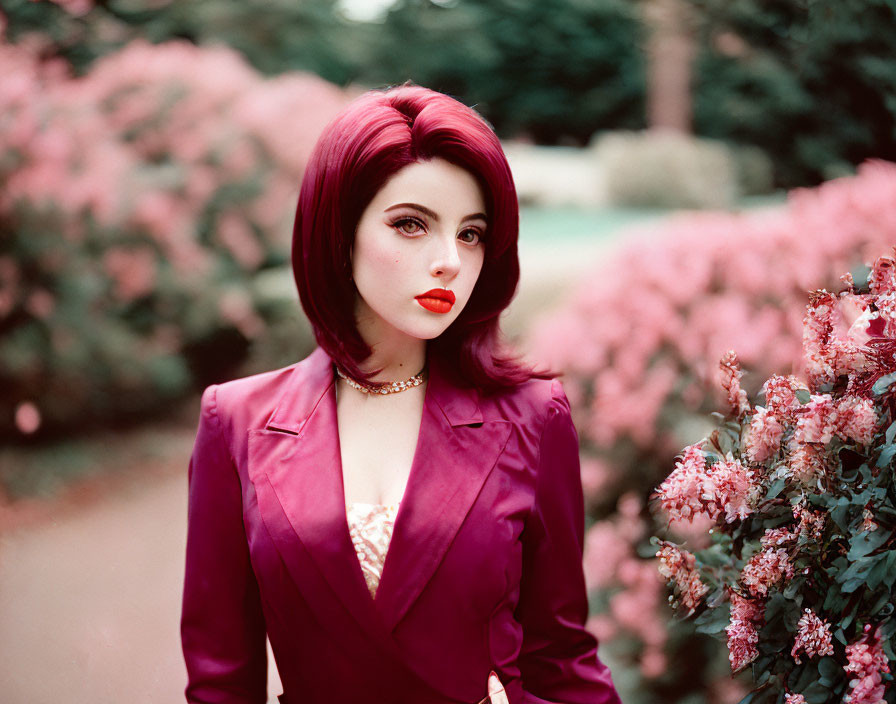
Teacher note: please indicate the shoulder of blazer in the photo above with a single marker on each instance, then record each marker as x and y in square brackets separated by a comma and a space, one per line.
[530, 402]
[248, 402]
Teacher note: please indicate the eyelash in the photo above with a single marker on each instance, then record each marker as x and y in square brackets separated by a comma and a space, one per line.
[403, 220]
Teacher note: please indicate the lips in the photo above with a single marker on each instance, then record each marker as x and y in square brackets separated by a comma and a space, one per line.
[438, 300]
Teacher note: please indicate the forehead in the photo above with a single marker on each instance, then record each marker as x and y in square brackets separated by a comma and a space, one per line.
[437, 184]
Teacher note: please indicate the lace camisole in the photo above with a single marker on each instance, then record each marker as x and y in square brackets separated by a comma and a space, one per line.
[370, 526]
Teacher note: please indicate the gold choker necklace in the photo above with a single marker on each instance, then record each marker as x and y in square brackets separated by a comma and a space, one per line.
[392, 387]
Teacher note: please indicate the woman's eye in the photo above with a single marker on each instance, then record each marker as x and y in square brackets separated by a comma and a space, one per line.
[476, 236]
[408, 226]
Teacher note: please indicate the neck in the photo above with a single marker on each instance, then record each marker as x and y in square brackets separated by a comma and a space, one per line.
[398, 362]
[399, 355]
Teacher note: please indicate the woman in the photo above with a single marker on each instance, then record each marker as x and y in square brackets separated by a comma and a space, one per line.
[401, 512]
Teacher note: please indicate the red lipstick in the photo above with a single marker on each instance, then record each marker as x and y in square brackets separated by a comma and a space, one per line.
[438, 300]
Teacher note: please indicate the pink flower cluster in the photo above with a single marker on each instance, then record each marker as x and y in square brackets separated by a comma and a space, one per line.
[781, 396]
[693, 490]
[635, 607]
[850, 418]
[729, 379]
[764, 439]
[813, 636]
[766, 569]
[746, 615]
[865, 663]
[681, 567]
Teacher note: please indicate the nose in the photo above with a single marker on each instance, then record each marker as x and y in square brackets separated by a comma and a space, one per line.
[446, 259]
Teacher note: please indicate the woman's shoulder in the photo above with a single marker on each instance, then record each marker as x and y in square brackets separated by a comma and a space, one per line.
[534, 399]
[249, 400]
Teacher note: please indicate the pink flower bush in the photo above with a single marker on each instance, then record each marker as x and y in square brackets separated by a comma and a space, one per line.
[136, 200]
[640, 352]
[817, 533]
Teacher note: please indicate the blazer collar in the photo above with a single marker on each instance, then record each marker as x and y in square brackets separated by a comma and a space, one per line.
[312, 378]
[295, 464]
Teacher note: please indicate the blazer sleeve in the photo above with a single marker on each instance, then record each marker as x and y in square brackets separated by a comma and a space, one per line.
[222, 627]
[558, 659]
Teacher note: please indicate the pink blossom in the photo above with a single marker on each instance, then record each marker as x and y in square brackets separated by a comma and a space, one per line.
[132, 270]
[729, 486]
[653, 663]
[741, 630]
[811, 522]
[766, 569]
[237, 236]
[818, 420]
[791, 698]
[775, 537]
[605, 548]
[882, 279]
[818, 327]
[856, 419]
[692, 490]
[681, 492]
[730, 380]
[866, 661]
[780, 396]
[806, 462]
[679, 566]
[813, 636]
[601, 626]
[764, 439]
[27, 418]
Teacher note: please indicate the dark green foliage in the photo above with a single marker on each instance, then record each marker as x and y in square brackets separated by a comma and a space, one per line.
[813, 81]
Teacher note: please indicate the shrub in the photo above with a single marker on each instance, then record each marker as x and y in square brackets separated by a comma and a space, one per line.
[666, 169]
[136, 205]
[800, 494]
[637, 342]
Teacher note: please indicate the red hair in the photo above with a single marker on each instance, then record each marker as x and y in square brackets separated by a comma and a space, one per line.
[366, 144]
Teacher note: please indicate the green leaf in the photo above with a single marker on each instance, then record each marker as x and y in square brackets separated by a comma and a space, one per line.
[775, 488]
[891, 432]
[816, 693]
[886, 455]
[850, 585]
[803, 396]
[712, 620]
[860, 275]
[878, 571]
[879, 605]
[840, 516]
[829, 670]
[833, 601]
[882, 384]
[865, 543]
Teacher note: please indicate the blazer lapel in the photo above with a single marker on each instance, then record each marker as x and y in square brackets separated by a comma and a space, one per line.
[456, 451]
[298, 455]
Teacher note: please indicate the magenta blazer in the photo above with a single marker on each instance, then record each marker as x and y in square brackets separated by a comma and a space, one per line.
[484, 569]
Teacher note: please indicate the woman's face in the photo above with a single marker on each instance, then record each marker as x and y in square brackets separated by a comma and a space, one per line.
[425, 229]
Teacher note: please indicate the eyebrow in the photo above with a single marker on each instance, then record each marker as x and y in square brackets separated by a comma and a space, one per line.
[429, 213]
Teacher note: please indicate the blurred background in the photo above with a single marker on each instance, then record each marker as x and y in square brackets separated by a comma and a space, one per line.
[687, 169]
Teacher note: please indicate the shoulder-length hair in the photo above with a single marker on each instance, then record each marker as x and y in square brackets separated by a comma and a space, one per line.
[378, 134]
